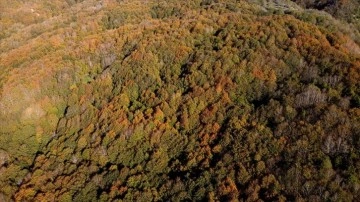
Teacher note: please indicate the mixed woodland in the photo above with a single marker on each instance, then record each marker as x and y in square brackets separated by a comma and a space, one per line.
[191, 100]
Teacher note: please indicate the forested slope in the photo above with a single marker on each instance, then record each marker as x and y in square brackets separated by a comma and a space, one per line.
[186, 100]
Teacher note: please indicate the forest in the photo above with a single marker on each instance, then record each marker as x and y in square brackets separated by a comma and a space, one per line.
[190, 100]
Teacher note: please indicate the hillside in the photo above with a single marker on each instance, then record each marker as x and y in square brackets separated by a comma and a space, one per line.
[144, 100]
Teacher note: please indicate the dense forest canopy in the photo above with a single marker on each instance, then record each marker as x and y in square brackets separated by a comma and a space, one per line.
[154, 100]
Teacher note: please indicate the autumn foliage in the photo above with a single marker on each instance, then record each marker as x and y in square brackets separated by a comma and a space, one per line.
[213, 100]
